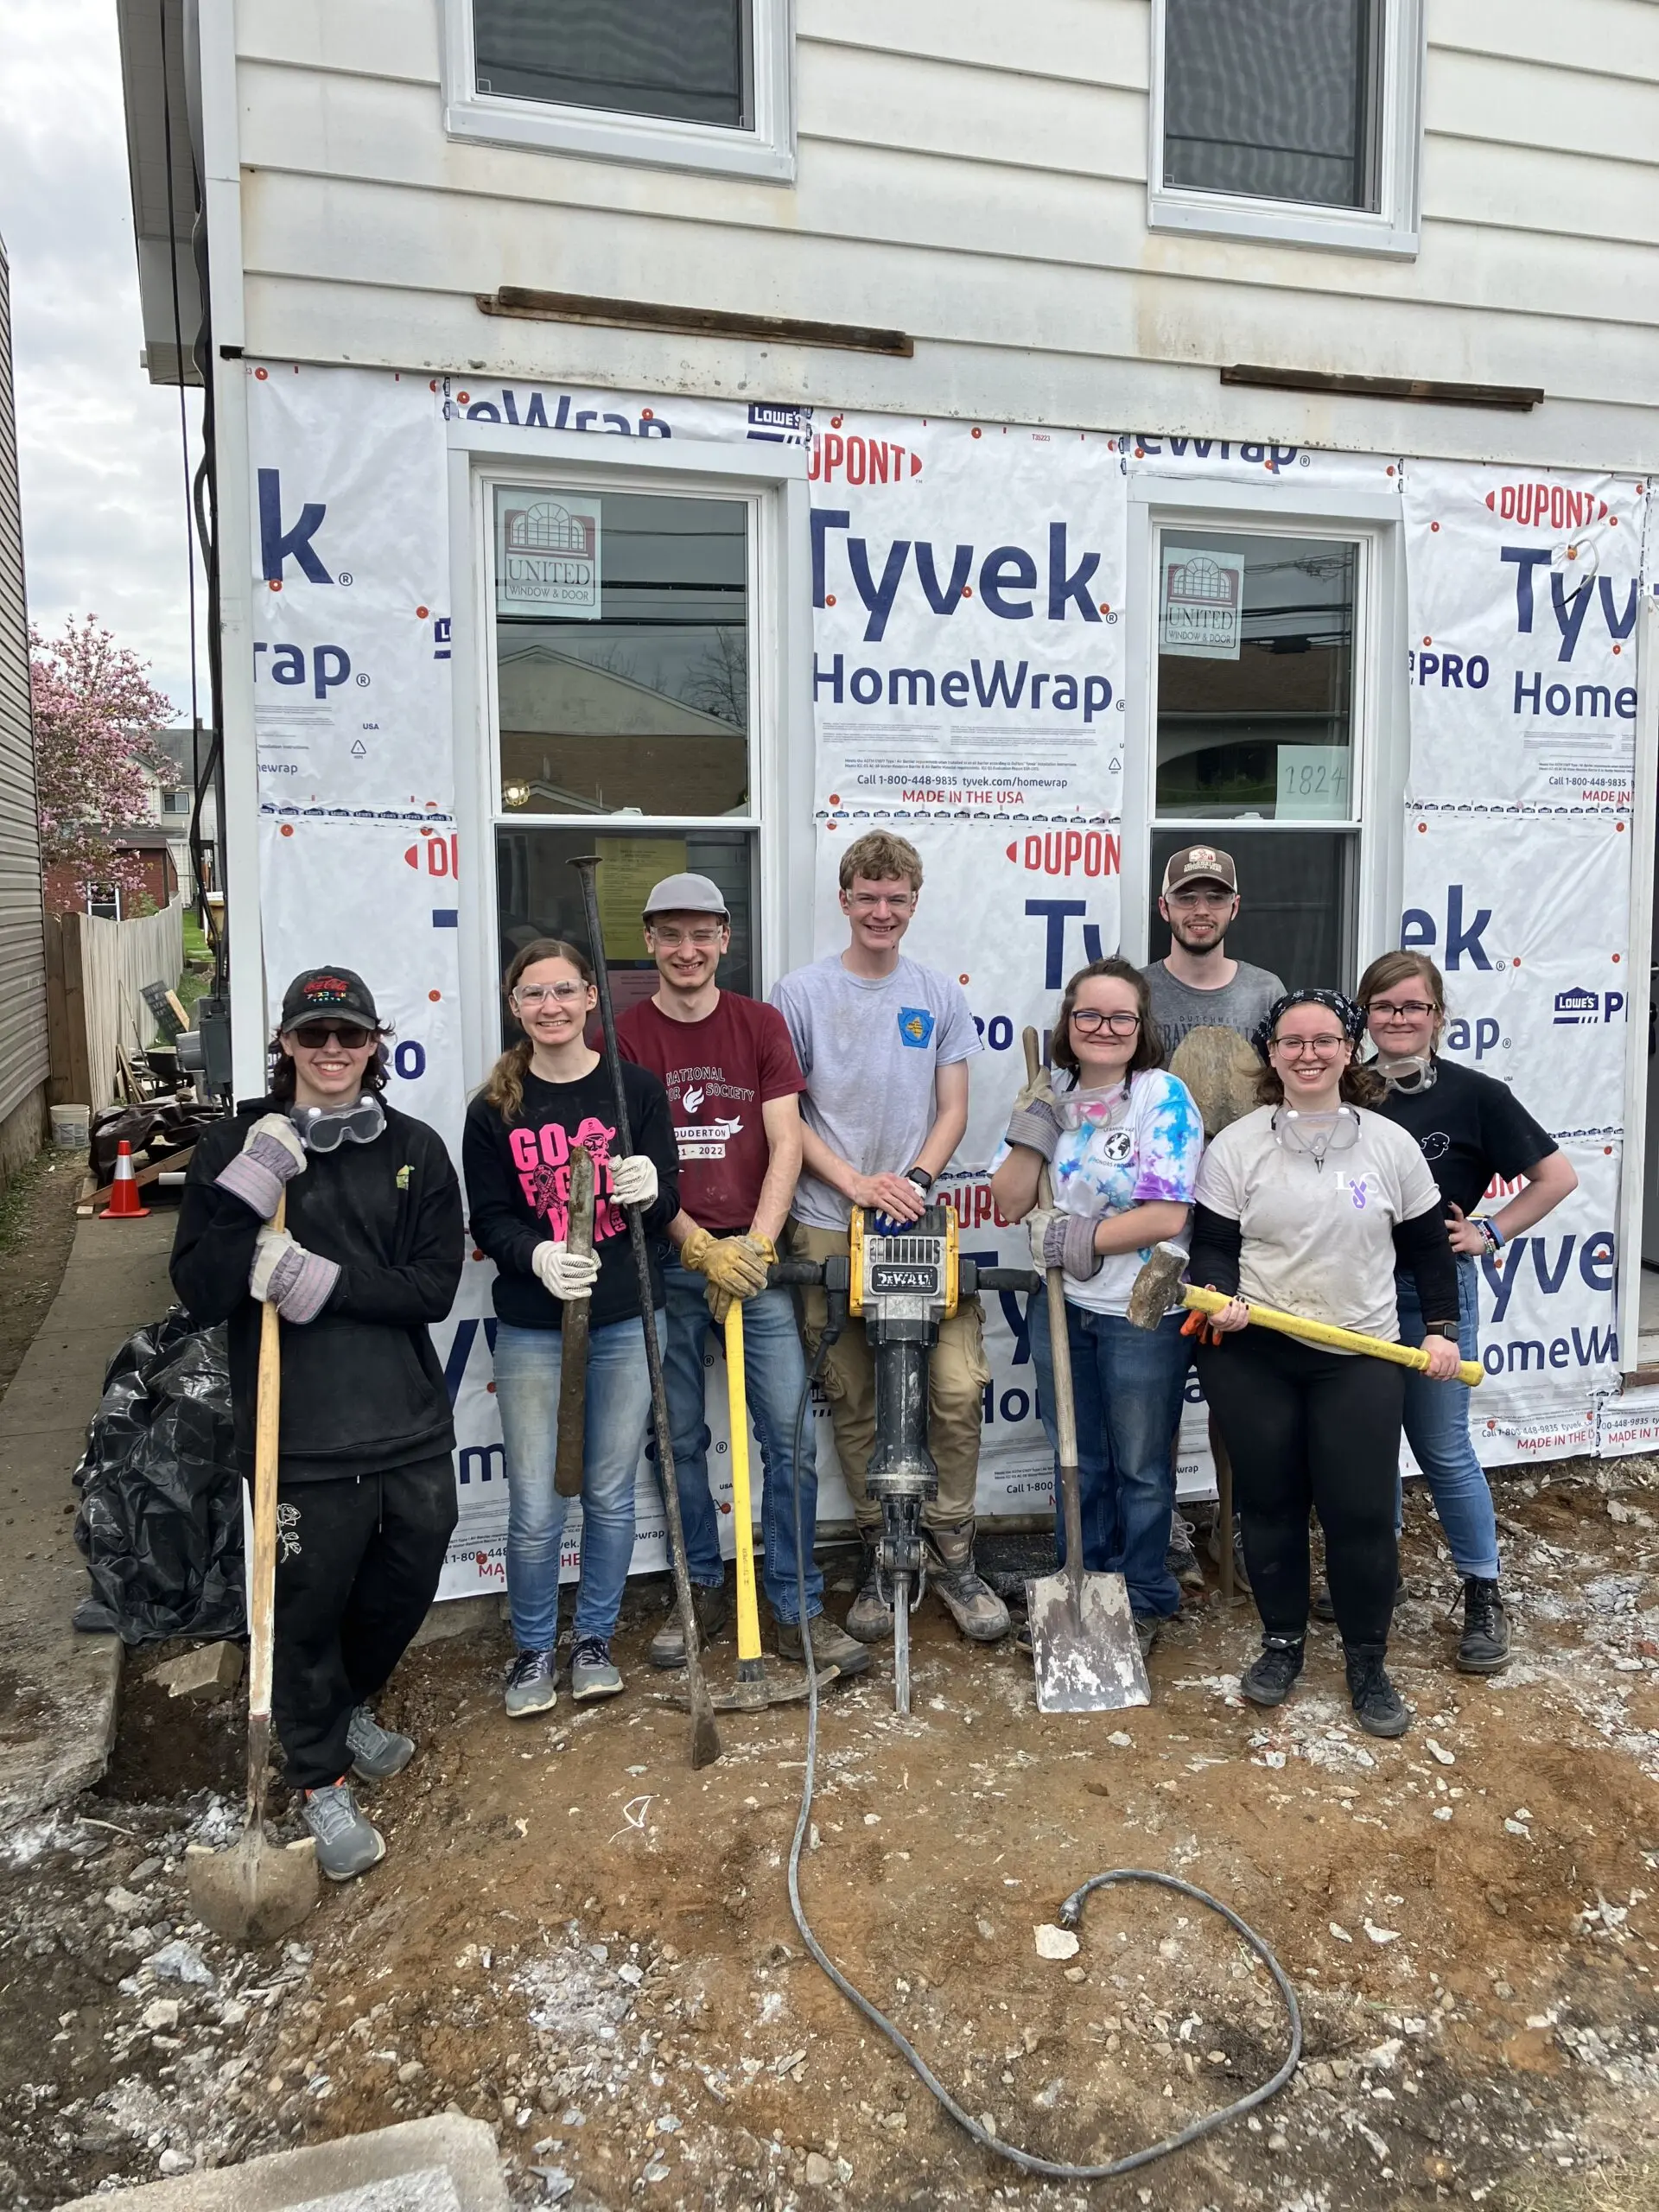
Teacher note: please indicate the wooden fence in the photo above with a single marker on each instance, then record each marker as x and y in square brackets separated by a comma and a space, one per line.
[95, 971]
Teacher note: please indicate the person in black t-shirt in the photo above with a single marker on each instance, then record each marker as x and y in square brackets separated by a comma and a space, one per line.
[1470, 1128]
[546, 1096]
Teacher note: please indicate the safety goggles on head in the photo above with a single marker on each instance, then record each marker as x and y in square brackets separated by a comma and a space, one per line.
[314, 1035]
[325, 1129]
[1316, 1136]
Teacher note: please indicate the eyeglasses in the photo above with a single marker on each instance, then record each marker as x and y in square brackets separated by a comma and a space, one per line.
[532, 996]
[1407, 1010]
[1089, 1021]
[1187, 899]
[1296, 1048]
[872, 902]
[314, 1035]
[672, 940]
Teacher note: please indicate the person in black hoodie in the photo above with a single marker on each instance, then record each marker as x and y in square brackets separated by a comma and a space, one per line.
[369, 1257]
[547, 1095]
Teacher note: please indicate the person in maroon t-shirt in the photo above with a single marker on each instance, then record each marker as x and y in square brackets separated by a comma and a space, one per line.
[732, 1079]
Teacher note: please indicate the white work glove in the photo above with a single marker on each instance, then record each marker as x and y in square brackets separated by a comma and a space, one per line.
[1064, 1241]
[298, 1283]
[565, 1275]
[634, 1180]
[271, 1155]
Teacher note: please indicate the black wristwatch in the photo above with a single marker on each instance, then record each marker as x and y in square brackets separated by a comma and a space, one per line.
[921, 1179]
[1441, 1329]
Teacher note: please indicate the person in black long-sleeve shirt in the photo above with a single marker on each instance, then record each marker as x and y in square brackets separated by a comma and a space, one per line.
[1310, 1204]
[369, 1259]
[548, 1095]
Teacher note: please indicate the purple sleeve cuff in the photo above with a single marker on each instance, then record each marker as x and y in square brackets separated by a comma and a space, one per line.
[302, 1283]
[1035, 1127]
[253, 1180]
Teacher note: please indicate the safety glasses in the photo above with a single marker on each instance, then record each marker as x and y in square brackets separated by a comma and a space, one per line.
[325, 1129]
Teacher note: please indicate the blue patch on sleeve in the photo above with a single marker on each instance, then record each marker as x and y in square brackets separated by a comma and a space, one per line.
[916, 1025]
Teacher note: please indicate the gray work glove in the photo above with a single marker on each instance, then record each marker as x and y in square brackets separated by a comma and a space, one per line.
[298, 1283]
[1064, 1241]
[1035, 1121]
[271, 1155]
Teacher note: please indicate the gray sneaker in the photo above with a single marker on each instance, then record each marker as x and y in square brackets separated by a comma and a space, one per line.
[592, 1673]
[378, 1753]
[346, 1843]
[530, 1685]
[667, 1647]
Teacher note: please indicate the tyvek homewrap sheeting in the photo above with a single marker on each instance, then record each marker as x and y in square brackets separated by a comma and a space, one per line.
[971, 610]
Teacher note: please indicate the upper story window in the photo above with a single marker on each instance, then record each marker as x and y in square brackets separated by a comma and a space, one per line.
[1294, 121]
[684, 83]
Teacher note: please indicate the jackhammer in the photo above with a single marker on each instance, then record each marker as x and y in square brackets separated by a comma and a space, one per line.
[902, 1279]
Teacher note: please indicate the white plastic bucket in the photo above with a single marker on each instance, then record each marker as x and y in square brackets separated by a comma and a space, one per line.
[72, 1127]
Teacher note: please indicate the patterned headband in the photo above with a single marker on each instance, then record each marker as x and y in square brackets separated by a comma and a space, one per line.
[1350, 1015]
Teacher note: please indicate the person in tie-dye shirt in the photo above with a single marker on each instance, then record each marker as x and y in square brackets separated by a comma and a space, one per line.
[1122, 1139]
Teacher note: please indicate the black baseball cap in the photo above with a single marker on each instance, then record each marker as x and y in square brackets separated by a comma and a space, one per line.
[323, 991]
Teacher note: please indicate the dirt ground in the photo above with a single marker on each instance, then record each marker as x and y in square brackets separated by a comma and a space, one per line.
[37, 1226]
[579, 1939]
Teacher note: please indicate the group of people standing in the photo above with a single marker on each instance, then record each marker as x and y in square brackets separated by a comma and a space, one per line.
[753, 1130]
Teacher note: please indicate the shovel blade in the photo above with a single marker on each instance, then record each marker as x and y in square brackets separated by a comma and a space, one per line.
[1086, 1655]
[255, 1891]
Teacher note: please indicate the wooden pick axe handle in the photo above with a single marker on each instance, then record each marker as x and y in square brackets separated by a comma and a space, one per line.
[1326, 1333]
[573, 1355]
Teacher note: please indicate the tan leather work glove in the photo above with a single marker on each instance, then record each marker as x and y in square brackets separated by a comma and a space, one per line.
[736, 1268]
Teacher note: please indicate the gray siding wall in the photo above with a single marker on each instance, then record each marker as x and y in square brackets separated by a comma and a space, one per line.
[23, 963]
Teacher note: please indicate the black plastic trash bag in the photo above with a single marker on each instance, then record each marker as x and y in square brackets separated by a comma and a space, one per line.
[160, 1522]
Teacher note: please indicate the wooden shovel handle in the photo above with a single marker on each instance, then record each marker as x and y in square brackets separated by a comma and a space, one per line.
[267, 1450]
[1065, 1411]
[573, 1321]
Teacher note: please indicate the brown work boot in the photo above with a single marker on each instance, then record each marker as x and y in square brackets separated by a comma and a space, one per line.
[831, 1647]
[712, 1608]
[973, 1605]
[869, 1618]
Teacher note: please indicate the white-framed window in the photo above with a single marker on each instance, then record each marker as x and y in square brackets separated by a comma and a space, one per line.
[1296, 122]
[1270, 719]
[633, 656]
[677, 84]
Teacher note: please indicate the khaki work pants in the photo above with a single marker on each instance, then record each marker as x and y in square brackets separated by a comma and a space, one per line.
[957, 1374]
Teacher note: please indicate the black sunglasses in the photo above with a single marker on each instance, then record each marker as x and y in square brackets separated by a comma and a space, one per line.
[314, 1035]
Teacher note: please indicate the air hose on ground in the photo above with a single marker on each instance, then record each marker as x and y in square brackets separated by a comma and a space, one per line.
[1070, 1914]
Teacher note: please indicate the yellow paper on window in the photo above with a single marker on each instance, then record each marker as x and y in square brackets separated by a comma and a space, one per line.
[629, 869]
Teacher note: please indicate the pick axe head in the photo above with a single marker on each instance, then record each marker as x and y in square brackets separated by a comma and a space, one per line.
[1158, 1285]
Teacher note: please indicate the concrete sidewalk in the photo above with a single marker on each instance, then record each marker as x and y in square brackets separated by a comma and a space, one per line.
[58, 1689]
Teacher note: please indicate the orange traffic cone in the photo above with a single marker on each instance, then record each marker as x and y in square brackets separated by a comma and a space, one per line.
[124, 1199]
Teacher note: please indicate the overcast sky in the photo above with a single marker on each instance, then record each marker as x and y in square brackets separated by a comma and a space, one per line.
[99, 445]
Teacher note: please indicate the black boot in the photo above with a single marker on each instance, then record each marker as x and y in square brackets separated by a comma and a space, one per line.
[1268, 1678]
[1485, 1648]
[1378, 1706]
[869, 1618]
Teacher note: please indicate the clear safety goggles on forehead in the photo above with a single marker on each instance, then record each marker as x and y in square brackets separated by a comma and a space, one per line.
[1316, 1137]
[325, 1129]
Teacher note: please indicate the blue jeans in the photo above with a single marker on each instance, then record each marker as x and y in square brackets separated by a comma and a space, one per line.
[527, 1363]
[1437, 1429]
[1127, 1383]
[775, 1372]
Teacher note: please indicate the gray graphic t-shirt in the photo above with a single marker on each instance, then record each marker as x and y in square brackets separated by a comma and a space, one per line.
[869, 1048]
[1177, 1007]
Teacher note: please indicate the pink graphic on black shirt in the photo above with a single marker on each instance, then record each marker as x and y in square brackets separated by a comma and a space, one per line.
[542, 1159]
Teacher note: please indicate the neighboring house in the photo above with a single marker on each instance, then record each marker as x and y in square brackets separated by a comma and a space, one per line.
[148, 845]
[187, 752]
[695, 432]
[22, 959]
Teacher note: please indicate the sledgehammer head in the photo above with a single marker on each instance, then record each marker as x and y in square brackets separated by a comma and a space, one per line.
[1158, 1285]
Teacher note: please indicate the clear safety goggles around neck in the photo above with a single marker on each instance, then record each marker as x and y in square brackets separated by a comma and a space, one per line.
[1094, 1109]
[325, 1129]
[1316, 1137]
[1409, 1073]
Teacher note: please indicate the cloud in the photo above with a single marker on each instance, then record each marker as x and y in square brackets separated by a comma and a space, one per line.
[99, 451]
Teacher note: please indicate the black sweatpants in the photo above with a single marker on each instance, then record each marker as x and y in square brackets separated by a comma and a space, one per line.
[1309, 1427]
[358, 1561]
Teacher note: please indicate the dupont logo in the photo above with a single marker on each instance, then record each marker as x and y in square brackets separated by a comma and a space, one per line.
[1067, 852]
[1577, 1009]
[1545, 506]
[859, 459]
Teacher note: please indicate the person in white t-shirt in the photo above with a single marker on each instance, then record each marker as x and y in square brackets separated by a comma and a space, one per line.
[1309, 1204]
[1122, 1139]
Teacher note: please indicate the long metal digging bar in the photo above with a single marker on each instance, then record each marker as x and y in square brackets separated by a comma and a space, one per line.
[705, 1737]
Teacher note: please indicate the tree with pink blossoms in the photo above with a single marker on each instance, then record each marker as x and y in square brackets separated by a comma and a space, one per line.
[95, 713]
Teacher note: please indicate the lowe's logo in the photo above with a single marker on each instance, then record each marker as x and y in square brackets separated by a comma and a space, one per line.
[1580, 1009]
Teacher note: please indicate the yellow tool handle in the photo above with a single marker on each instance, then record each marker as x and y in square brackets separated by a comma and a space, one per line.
[737, 1412]
[1326, 1333]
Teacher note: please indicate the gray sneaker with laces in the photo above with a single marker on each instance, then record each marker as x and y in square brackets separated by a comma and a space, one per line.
[347, 1844]
[378, 1753]
[530, 1685]
[592, 1673]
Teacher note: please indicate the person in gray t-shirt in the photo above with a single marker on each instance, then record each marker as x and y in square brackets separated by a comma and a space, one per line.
[884, 1044]
[1195, 986]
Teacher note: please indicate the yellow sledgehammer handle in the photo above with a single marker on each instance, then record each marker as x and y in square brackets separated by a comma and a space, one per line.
[1325, 1332]
[737, 1410]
